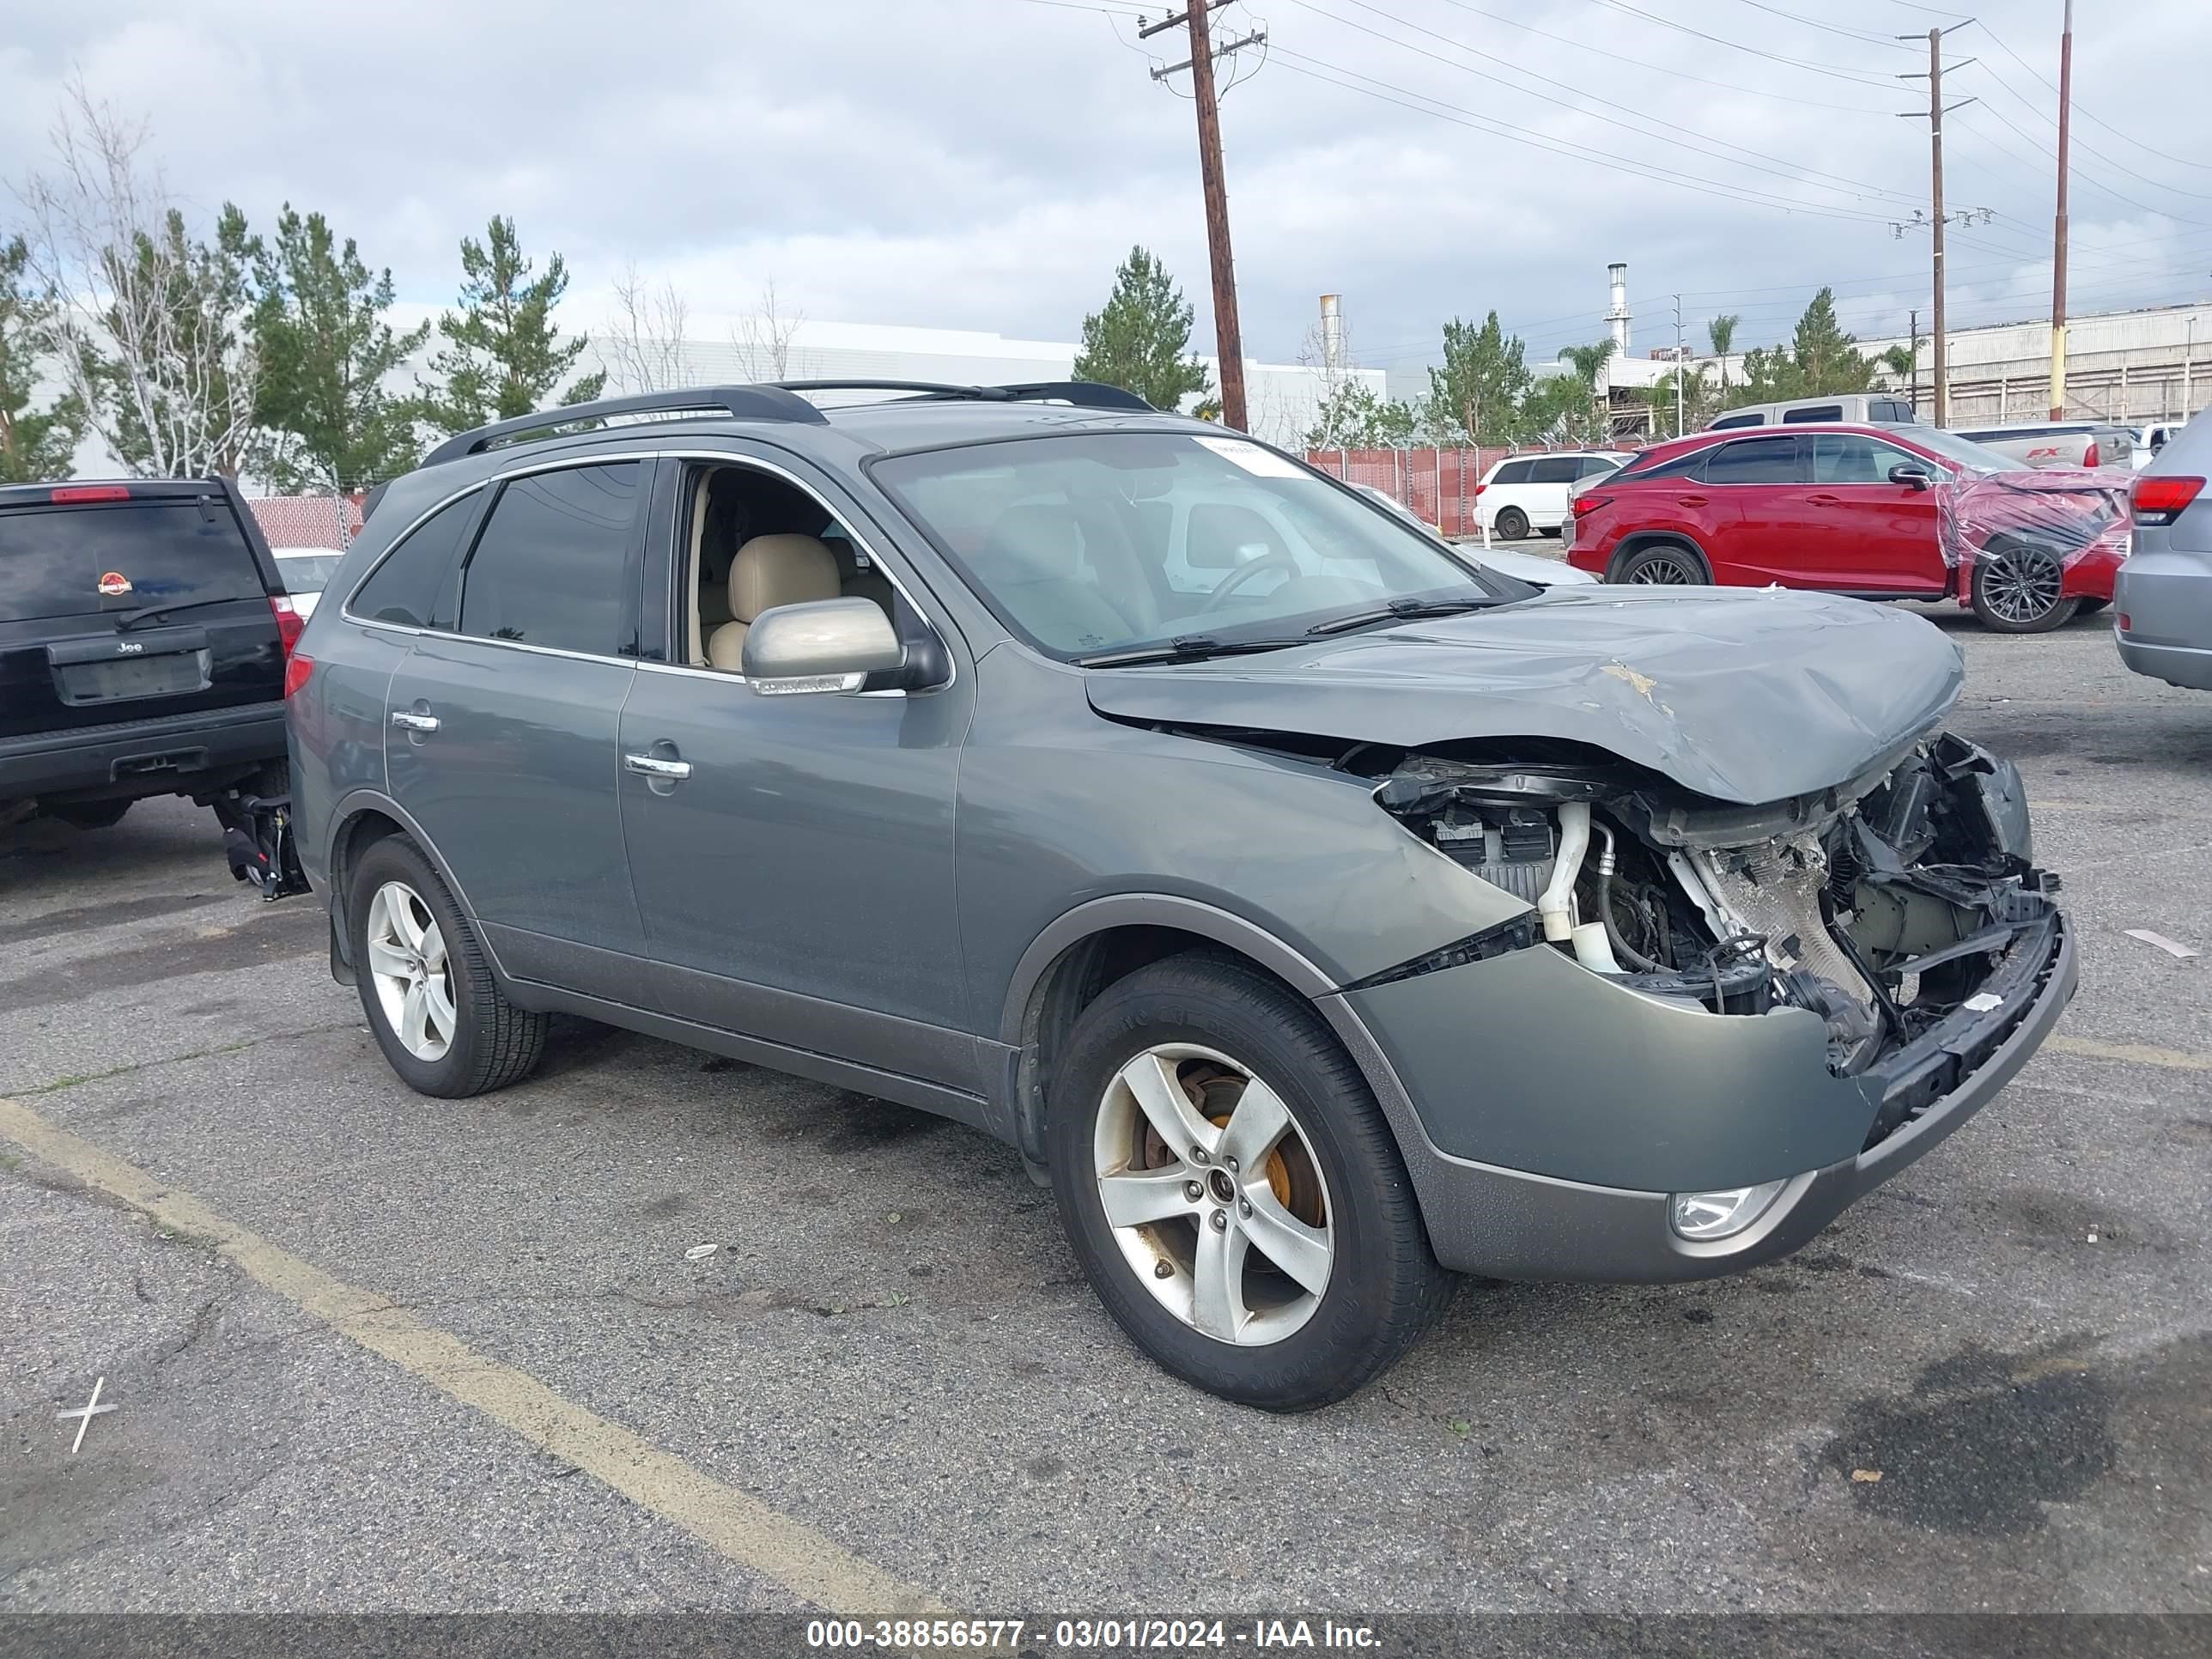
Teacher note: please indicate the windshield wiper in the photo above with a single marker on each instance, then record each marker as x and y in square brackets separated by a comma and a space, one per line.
[1189, 648]
[124, 624]
[1401, 610]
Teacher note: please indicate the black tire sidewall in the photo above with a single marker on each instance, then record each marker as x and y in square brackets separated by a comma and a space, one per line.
[1696, 559]
[395, 858]
[1507, 518]
[1349, 1337]
[2058, 616]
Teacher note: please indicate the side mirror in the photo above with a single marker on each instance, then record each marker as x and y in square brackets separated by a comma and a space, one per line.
[1917, 477]
[825, 645]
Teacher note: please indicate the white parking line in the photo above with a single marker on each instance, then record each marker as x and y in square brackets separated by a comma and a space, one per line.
[739, 1527]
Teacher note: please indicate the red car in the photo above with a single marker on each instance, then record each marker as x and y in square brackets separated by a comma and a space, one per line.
[1878, 512]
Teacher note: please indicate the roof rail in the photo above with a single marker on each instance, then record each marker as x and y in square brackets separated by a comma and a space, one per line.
[1088, 394]
[745, 403]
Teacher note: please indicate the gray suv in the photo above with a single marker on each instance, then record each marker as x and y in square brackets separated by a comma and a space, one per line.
[1319, 915]
[2162, 598]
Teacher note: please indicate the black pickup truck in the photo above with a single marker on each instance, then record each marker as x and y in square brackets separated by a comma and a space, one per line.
[144, 635]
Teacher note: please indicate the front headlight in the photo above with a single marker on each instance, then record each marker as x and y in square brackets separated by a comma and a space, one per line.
[1703, 1217]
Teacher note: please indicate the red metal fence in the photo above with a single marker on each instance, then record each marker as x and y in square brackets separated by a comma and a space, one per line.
[1439, 484]
[308, 520]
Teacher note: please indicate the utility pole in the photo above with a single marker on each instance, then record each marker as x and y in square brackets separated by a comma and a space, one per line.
[1228, 343]
[2058, 234]
[1936, 218]
[1912, 345]
[1679, 361]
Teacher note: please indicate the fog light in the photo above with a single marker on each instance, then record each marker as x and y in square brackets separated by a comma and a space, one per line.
[1723, 1214]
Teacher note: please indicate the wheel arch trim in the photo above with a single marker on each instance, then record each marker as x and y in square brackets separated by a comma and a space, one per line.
[358, 804]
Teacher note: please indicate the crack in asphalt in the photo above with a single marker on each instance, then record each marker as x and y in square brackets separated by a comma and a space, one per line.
[76, 1079]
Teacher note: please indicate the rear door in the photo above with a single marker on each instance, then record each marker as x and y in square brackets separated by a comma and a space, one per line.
[1865, 534]
[1545, 493]
[1754, 493]
[501, 723]
[129, 603]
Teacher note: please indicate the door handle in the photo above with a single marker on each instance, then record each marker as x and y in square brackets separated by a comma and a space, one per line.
[413, 722]
[1824, 501]
[1689, 500]
[653, 766]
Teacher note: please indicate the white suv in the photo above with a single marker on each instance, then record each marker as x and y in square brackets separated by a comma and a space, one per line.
[1530, 492]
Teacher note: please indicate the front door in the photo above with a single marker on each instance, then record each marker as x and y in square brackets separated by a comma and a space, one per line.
[501, 735]
[1878, 536]
[792, 855]
[1755, 491]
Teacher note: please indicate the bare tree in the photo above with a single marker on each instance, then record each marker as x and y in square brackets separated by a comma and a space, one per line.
[763, 339]
[151, 321]
[646, 342]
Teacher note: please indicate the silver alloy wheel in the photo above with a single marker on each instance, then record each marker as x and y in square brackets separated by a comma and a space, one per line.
[1664, 569]
[2020, 588]
[407, 964]
[1202, 1191]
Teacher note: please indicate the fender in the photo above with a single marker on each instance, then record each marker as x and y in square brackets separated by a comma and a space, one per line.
[352, 806]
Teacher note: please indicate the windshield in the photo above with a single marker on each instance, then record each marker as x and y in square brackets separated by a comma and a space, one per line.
[1105, 543]
[1963, 452]
[307, 573]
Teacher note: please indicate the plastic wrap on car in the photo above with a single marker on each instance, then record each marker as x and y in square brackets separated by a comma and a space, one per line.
[2063, 514]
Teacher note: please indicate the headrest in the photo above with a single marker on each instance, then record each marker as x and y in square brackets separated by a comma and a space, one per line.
[782, 569]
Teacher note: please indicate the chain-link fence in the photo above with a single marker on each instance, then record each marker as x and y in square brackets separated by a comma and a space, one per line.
[331, 519]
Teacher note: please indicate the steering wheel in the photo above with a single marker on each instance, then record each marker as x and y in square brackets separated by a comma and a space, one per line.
[1244, 572]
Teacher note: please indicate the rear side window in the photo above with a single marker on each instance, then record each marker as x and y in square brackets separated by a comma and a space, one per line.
[1754, 461]
[1817, 413]
[55, 560]
[1562, 469]
[1692, 466]
[1597, 465]
[413, 586]
[1512, 472]
[1736, 420]
[1889, 410]
[550, 568]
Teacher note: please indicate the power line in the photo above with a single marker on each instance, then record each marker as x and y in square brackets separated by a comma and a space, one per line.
[1622, 7]
[1815, 22]
[2179, 161]
[1858, 186]
[1462, 117]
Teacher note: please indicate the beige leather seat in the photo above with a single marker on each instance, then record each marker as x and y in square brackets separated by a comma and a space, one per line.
[770, 571]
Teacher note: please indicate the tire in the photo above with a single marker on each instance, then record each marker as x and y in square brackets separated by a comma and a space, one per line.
[1366, 1285]
[91, 814]
[2016, 585]
[2089, 607]
[1511, 525]
[1662, 564]
[486, 1042]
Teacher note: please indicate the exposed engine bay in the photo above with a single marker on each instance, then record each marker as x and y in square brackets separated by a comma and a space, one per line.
[1885, 906]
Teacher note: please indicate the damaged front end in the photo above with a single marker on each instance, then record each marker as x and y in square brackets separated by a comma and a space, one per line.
[1901, 908]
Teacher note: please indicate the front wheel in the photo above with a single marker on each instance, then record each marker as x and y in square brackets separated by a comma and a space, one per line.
[2016, 588]
[1511, 525]
[1231, 1190]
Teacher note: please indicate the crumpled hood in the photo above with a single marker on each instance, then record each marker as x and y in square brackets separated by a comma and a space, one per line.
[1749, 696]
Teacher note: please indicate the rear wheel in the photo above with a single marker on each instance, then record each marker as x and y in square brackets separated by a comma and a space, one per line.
[1665, 564]
[1228, 1183]
[2016, 587]
[1511, 525]
[426, 984]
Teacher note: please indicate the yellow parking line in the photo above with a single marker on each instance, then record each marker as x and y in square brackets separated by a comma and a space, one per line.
[742, 1527]
[2137, 1054]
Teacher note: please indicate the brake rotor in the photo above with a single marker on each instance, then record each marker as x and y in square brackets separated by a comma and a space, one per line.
[1291, 1173]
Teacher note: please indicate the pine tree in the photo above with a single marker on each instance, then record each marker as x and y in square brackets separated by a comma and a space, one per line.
[35, 444]
[1479, 390]
[1141, 341]
[1827, 359]
[325, 414]
[503, 357]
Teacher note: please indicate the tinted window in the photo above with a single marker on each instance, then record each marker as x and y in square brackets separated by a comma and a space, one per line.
[549, 567]
[1817, 413]
[1736, 420]
[1690, 466]
[306, 572]
[1512, 472]
[1845, 458]
[52, 559]
[1754, 461]
[1889, 410]
[1597, 465]
[1564, 470]
[413, 586]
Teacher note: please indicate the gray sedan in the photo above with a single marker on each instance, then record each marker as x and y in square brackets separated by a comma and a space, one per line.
[2163, 597]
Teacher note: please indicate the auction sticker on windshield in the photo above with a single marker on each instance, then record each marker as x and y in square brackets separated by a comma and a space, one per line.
[1261, 462]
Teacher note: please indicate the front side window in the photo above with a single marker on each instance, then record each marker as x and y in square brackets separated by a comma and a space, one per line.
[1754, 461]
[1847, 457]
[550, 566]
[412, 586]
[1065, 539]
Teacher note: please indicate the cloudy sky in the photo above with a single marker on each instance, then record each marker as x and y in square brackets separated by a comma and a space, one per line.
[984, 163]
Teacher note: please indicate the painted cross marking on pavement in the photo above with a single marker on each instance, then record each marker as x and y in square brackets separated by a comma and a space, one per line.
[85, 1413]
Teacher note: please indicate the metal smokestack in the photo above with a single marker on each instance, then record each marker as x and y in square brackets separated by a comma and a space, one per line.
[1617, 274]
[1332, 334]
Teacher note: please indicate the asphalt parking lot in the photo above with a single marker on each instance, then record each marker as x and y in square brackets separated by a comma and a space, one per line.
[358, 1364]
